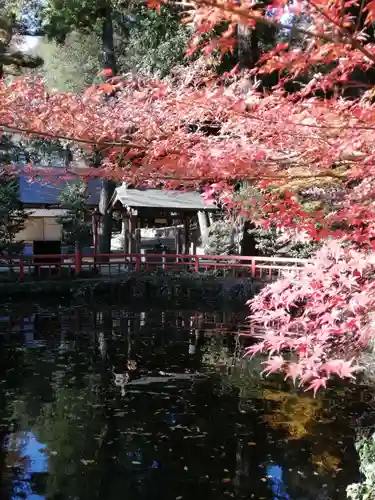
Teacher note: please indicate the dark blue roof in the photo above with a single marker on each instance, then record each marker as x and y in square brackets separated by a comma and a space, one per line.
[48, 193]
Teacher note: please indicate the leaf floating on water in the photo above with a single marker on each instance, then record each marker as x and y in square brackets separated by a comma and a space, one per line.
[251, 443]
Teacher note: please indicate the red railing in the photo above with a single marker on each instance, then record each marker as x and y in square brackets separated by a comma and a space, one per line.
[59, 266]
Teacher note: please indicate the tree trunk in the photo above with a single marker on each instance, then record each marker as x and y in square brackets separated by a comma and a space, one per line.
[248, 243]
[248, 47]
[203, 225]
[107, 187]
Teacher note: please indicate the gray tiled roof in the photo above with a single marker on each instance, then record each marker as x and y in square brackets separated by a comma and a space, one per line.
[158, 198]
[48, 193]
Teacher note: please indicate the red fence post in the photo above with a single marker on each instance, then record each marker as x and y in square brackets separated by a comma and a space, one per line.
[253, 269]
[78, 261]
[196, 264]
[137, 263]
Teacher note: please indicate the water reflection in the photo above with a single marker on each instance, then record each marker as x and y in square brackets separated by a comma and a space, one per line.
[275, 474]
[32, 454]
[110, 403]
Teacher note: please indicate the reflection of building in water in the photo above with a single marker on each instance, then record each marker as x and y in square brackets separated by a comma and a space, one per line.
[41, 328]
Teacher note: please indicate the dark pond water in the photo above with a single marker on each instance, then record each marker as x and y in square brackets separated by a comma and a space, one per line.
[109, 404]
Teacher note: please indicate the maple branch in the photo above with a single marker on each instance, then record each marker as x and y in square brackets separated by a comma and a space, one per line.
[51, 135]
[360, 14]
[252, 17]
[353, 41]
[321, 36]
[253, 177]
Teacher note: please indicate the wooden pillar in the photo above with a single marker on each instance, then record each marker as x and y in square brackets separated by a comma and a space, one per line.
[125, 232]
[178, 240]
[185, 248]
[131, 232]
[137, 244]
[133, 224]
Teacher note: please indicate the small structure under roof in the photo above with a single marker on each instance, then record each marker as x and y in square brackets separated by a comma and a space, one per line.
[150, 207]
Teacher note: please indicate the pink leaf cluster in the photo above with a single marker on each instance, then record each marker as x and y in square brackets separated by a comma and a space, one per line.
[316, 321]
[334, 31]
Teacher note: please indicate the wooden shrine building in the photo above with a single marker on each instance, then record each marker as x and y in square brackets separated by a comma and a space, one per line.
[151, 208]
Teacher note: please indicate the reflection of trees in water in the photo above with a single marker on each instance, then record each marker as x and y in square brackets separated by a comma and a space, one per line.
[75, 431]
[12, 460]
[292, 417]
[212, 435]
[295, 414]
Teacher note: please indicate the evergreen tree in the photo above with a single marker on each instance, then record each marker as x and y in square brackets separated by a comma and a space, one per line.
[221, 239]
[272, 242]
[13, 215]
[12, 60]
[145, 42]
[75, 223]
[154, 42]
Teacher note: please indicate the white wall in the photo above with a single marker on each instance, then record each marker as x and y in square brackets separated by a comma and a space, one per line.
[40, 229]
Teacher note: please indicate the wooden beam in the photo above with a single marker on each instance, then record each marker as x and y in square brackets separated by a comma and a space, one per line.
[133, 225]
[186, 234]
[125, 232]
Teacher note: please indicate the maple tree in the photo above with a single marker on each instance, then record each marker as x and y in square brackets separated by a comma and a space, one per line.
[308, 150]
[322, 316]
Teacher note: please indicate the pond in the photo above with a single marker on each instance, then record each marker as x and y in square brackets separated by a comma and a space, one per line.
[112, 404]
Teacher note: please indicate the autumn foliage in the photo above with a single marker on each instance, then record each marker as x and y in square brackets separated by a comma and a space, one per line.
[322, 316]
[293, 145]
